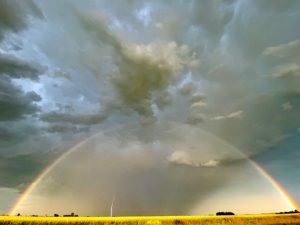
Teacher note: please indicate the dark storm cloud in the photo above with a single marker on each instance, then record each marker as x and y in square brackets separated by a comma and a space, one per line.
[85, 119]
[14, 132]
[18, 68]
[58, 128]
[21, 169]
[15, 104]
[14, 15]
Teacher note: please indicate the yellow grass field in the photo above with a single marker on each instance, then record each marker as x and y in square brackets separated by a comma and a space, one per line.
[155, 220]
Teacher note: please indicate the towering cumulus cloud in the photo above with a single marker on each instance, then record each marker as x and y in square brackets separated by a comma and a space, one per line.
[141, 69]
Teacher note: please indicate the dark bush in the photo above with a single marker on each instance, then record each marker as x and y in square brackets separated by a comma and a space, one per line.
[178, 222]
[224, 213]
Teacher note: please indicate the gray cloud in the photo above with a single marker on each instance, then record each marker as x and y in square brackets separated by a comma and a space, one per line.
[20, 169]
[58, 128]
[86, 119]
[198, 97]
[18, 68]
[15, 104]
[245, 26]
[141, 68]
[287, 106]
[212, 16]
[278, 6]
[14, 15]
[15, 132]
[196, 110]
[188, 89]
[264, 120]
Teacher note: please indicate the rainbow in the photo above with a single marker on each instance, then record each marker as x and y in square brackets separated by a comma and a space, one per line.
[281, 190]
[286, 197]
[37, 180]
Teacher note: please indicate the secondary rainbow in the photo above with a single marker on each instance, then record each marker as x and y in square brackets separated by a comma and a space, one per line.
[281, 191]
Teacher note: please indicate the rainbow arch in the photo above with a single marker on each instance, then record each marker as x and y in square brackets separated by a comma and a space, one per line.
[286, 197]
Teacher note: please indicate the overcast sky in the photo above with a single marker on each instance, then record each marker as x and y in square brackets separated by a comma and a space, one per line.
[72, 68]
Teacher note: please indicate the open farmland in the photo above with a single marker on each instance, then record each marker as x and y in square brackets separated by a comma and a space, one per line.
[156, 220]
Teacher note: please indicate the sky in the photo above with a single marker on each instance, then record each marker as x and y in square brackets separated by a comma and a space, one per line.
[176, 93]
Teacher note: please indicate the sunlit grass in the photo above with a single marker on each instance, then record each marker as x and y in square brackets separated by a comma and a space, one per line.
[156, 220]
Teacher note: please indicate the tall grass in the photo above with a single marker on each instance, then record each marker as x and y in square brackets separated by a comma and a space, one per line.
[155, 220]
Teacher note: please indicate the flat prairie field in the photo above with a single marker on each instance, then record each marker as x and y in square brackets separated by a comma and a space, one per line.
[154, 220]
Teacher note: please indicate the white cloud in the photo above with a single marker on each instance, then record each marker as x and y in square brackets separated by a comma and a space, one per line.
[284, 50]
[198, 105]
[237, 115]
[219, 117]
[197, 97]
[183, 158]
[288, 70]
[233, 115]
[210, 163]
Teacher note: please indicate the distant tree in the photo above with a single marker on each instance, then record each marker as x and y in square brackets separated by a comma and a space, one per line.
[224, 213]
[18, 214]
[288, 212]
[71, 215]
[56, 215]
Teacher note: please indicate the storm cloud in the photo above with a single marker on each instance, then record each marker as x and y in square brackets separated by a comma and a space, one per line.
[17, 68]
[14, 15]
[70, 69]
[16, 104]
